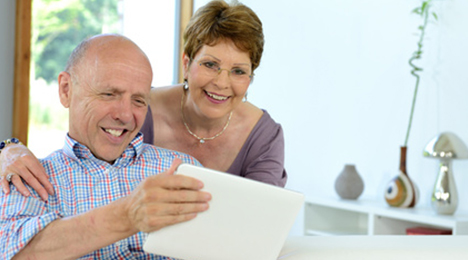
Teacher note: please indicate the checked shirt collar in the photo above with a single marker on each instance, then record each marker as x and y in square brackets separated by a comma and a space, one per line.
[79, 152]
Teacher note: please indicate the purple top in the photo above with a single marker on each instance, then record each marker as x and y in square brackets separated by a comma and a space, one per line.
[260, 158]
[148, 128]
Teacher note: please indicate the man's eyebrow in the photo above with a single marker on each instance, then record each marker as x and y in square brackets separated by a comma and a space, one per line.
[109, 88]
[117, 90]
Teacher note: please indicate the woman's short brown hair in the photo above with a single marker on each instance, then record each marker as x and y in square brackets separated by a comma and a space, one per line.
[219, 20]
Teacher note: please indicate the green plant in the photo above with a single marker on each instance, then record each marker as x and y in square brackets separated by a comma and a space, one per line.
[423, 11]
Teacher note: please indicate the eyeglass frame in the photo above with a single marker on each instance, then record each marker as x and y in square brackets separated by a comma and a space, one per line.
[200, 63]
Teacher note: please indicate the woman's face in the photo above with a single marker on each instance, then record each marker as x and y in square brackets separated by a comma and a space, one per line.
[218, 78]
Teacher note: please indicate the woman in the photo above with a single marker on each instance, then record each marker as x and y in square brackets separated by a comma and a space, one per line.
[208, 116]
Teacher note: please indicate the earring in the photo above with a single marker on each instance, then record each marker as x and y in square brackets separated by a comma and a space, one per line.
[244, 99]
[185, 84]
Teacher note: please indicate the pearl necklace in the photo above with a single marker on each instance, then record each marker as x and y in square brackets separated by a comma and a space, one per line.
[201, 139]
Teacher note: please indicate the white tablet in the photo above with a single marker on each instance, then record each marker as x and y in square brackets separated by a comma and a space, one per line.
[247, 219]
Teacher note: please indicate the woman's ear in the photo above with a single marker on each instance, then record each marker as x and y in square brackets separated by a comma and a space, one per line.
[186, 64]
[64, 82]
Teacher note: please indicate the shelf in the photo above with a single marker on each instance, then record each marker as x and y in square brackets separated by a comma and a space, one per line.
[367, 217]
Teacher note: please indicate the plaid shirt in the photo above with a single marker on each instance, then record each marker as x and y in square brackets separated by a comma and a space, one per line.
[83, 182]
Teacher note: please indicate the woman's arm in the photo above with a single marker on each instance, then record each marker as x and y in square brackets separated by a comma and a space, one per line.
[18, 160]
[262, 155]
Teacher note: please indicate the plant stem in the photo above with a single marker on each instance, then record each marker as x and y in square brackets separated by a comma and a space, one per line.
[416, 56]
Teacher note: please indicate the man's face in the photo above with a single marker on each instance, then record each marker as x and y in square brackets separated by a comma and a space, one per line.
[108, 101]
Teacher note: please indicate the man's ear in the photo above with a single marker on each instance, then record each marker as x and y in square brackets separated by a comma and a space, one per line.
[186, 64]
[65, 88]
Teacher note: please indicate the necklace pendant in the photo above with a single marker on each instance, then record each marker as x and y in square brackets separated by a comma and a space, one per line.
[202, 141]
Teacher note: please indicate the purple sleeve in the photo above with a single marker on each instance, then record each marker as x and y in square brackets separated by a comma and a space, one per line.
[262, 155]
[148, 128]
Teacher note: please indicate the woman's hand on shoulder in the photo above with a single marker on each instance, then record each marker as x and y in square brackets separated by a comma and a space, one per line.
[18, 160]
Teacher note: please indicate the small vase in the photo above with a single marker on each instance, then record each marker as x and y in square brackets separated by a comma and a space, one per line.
[401, 191]
[349, 184]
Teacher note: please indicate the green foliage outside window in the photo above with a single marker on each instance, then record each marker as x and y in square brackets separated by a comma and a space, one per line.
[59, 25]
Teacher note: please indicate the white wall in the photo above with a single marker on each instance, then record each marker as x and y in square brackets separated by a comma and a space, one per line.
[335, 74]
[7, 49]
[152, 28]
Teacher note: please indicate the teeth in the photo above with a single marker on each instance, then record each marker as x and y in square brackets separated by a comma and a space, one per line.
[115, 133]
[217, 97]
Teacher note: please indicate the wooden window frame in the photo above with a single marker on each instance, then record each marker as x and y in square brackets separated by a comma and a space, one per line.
[185, 13]
[22, 69]
[23, 61]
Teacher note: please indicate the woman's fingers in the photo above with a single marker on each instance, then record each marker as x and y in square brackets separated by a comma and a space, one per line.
[36, 174]
[5, 185]
[18, 160]
[16, 180]
[33, 182]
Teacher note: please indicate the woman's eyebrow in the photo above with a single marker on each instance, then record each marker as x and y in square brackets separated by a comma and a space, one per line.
[218, 60]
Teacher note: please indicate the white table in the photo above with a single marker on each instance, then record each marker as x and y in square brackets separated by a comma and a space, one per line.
[375, 247]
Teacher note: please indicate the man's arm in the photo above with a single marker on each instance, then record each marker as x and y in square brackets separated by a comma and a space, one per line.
[158, 201]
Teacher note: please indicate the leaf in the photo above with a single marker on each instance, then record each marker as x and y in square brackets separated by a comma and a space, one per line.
[416, 10]
[435, 16]
[424, 6]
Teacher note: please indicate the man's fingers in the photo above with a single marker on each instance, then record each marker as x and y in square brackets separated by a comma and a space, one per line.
[162, 215]
[175, 209]
[156, 223]
[173, 182]
[181, 196]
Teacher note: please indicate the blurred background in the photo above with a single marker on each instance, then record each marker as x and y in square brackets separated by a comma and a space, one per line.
[334, 73]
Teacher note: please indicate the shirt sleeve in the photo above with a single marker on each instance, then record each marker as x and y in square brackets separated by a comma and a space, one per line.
[21, 218]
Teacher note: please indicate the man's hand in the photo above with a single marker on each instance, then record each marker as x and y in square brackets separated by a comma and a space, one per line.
[165, 199]
[158, 201]
[18, 160]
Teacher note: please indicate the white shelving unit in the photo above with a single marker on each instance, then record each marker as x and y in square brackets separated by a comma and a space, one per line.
[367, 217]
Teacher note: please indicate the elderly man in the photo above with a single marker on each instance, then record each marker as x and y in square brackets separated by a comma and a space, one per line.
[108, 190]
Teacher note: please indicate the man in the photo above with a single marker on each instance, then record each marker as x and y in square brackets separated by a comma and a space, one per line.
[107, 188]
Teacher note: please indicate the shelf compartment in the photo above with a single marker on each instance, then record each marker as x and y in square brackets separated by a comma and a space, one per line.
[323, 220]
[392, 226]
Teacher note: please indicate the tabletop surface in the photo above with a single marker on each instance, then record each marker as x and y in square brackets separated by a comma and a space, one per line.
[375, 247]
